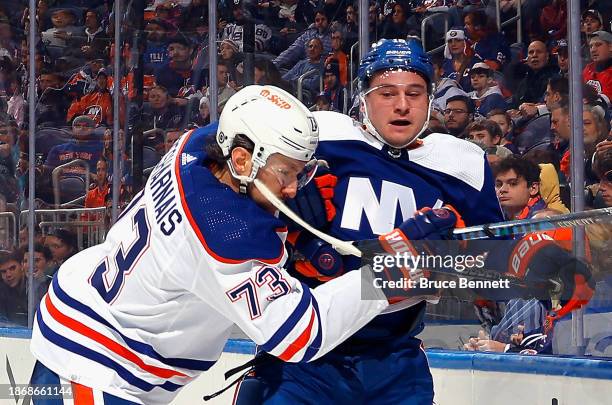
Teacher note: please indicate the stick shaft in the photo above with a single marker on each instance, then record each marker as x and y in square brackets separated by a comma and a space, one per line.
[511, 228]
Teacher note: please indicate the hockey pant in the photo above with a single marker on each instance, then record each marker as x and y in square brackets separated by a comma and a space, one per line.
[376, 376]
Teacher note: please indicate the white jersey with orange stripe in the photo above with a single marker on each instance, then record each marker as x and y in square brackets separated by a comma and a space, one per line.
[147, 311]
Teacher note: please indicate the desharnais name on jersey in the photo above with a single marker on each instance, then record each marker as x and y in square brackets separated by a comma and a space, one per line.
[145, 312]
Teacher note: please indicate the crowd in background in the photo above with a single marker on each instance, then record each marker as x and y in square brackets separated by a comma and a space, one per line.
[510, 97]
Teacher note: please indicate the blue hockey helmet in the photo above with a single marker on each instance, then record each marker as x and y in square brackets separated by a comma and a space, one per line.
[395, 54]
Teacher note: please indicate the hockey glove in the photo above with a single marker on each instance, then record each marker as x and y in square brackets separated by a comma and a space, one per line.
[316, 258]
[403, 283]
[313, 203]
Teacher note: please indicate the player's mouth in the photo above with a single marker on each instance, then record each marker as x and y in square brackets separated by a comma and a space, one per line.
[400, 123]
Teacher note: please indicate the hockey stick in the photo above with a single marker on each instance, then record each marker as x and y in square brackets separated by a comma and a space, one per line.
[511, 228]
[508, 228]
[342, 247]
[347, 248]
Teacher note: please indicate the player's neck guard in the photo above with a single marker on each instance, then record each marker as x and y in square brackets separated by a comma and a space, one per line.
[372, 130]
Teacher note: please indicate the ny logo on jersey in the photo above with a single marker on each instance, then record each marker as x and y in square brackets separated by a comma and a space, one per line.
[361, 198]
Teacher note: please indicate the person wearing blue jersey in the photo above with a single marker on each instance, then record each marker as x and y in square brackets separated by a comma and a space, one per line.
[384, 174]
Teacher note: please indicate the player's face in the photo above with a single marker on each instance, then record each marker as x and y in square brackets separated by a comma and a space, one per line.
[513, 191]
[397, 104]
[11, 273]
[280, 175]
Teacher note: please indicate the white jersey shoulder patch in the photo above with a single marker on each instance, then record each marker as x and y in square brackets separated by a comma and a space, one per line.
[455, 157]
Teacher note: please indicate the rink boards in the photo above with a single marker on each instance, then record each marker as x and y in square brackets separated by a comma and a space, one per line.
[461, 378]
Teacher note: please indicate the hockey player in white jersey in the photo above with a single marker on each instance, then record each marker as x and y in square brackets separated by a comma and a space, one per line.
[198, 250]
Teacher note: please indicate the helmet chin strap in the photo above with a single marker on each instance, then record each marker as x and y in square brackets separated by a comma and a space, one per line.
[372, 130]
[244, 180]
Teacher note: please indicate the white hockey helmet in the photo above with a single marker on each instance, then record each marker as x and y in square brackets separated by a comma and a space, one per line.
[274, 120]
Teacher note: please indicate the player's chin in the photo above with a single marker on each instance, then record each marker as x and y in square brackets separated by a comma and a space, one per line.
[400, 135]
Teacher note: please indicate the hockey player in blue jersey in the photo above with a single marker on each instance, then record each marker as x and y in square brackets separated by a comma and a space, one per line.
[136, 318]
[384, 174]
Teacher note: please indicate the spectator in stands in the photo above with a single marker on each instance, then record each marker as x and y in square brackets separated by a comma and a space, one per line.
[338, 54]
[63, 245]
[350, 28]
[156, 53]
[562, 53]
[64, 29]
[161, 112]
[177, 72]
[313, 61]
[395, 25]
[517, 183]
[43, 270]
[297, 50]
[487, 43]
[458, 59]
[322, 102]
[598, 73]
[13, 298]
[603, 167]
[23, 235]
[231, 55]
[485, 132]
[553, 19]
[224, 85]
[8, 47]
[445, 86]
[502, 118]
[16, 104]
[52, 103]
[266, 72]
[235, 30]
[8, 157]
[533, 75]
[203, 117]
[486, 95]
[591, 22]
[95, 42]
[170, 138]
[560, 127]
[458, 114]
[332, 86]
[83, 146]
[95, 196]
[98, 104]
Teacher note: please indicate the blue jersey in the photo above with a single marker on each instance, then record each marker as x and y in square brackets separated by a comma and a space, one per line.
[376, 191]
